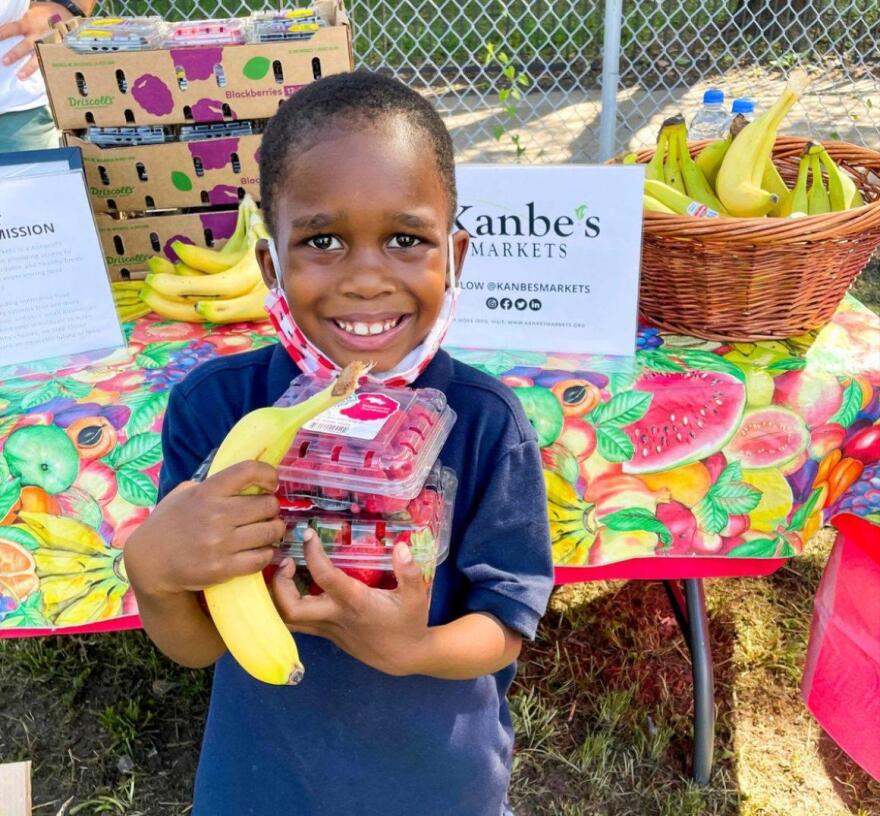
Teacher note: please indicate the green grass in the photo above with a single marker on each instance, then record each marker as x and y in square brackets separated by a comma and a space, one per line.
[601, 705]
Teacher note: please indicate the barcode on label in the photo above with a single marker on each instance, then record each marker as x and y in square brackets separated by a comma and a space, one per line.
[330, 428]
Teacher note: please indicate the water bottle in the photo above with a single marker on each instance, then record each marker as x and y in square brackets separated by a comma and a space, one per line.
[744, 106]
[711, 121]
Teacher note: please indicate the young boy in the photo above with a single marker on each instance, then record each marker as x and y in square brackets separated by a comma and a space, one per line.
[402, 710]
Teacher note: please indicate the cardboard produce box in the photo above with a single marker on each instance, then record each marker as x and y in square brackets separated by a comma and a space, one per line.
[193, 84]
[129, 242]
[210, 172]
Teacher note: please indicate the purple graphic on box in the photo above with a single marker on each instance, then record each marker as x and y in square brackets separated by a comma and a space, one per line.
[169, 252]
[152, 95]
[214, 154]
[210, 110]
[223, 194]
[221, 224]
[196, 63]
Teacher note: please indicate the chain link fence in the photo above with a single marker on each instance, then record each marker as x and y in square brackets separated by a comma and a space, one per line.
[525, 78]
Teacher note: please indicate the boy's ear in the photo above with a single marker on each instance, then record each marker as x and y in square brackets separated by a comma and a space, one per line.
[267, 267]
[460, 243]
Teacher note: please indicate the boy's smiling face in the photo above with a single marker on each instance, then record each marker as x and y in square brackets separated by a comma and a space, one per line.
[361, 221]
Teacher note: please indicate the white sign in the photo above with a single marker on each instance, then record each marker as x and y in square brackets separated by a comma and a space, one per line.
[553, 263]
[55, 297]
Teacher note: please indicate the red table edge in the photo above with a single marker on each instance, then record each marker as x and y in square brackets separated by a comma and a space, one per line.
[671, 569]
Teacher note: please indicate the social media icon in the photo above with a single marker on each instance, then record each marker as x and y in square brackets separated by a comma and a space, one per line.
[535, 305]
[506, 303]
[521, 304]
[492, 303]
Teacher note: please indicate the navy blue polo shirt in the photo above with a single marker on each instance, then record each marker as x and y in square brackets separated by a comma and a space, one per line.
[350, 740]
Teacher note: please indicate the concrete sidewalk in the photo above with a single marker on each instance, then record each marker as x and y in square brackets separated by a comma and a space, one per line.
[563, 126]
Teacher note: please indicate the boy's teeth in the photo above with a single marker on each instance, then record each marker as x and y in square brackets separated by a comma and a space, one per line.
[366, 328]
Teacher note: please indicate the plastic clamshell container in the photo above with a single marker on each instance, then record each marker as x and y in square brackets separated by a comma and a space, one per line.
[380, 442]
[207, 32]
[365, 541]
[117, 34]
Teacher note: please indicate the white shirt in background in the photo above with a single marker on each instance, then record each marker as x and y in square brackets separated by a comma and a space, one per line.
[17, 94]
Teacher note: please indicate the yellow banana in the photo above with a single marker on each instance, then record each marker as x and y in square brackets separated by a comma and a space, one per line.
[738, 184]
[55, 562]
[817, 195]
[235, 281]
[237, 239]
[678, 202]
[797, 201]
[60, 532]
[672, 165]
[159, 264]
[710, 157]
[181, 268]
[695, 183]
[842, 189]
[774, 183]
[207, 260]
[126, 286]
[59, 590]
[248, 307]
[172, 309]
[242, 608]
[654, 168]
[128, 314]
[102, 601]
[650, 204]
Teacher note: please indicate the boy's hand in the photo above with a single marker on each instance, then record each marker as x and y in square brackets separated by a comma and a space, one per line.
[386, 629]
[203, 533]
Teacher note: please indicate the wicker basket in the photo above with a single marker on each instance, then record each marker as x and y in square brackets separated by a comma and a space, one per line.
[759, 278]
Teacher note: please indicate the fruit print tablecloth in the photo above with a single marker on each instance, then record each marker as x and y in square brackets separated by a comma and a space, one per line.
[691, 448]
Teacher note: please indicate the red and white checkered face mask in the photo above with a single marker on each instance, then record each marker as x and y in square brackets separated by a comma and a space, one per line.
[311, 360]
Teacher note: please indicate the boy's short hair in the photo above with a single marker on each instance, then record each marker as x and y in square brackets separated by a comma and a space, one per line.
[345, 98]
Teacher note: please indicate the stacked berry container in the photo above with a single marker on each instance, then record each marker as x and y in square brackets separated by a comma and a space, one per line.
[361, 543]
[366, 474]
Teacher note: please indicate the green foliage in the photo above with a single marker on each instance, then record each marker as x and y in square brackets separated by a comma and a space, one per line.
[509, 92]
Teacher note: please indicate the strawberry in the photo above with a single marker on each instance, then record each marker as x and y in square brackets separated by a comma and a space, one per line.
[366, 547]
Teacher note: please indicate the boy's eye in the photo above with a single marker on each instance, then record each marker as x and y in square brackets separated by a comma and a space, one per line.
[404, 241]
[324, 242]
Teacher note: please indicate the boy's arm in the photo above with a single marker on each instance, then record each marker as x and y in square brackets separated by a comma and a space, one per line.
[200, 534]
[174, 621]
[471, 646]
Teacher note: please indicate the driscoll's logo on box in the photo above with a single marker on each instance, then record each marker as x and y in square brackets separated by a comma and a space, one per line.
[97, 102]
[537, 235]
[121, 260]
[115, 192]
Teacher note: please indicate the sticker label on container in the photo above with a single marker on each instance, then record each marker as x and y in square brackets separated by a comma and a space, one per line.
[360, 416]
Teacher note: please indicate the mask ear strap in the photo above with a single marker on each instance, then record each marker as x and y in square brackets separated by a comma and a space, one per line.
[450, 261]
[273, 254]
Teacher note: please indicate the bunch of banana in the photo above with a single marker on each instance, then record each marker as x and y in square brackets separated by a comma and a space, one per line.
[207, 285]
[241, 608]
[674, 183]
[81, 578]
[736, 175]
[841, 193]
[741, 175]
[127, 297]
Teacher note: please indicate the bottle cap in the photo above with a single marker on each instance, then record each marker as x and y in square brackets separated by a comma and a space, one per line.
[743, 106]
[713, 96]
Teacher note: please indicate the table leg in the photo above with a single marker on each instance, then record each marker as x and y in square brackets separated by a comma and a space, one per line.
[704, 681]
[679, 608]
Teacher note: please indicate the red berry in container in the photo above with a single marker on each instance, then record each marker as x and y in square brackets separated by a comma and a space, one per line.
[369, 549]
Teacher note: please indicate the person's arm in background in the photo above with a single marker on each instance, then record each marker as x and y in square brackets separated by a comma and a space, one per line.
[34, 25]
